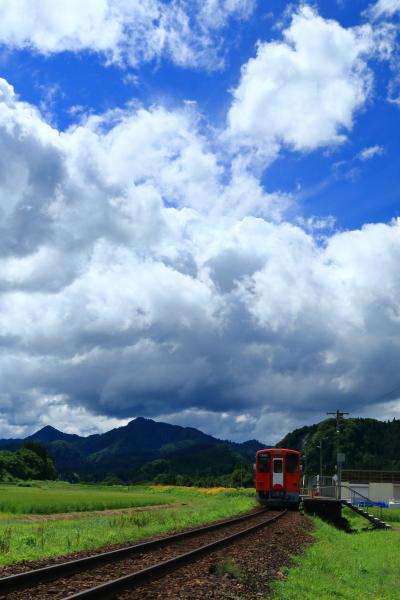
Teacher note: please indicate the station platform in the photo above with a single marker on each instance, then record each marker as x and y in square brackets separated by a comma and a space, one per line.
[328, 509]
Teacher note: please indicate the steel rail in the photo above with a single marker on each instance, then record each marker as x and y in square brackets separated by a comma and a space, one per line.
[23, 580]
[110, 589]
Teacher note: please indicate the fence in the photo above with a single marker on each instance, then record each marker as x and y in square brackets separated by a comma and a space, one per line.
[314, 487]
[368, 476]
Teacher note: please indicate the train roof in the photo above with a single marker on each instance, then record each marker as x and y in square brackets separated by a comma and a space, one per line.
[278, 450]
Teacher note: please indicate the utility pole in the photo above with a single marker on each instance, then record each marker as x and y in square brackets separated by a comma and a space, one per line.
[320, 460]
[339, 458]
[339, 418]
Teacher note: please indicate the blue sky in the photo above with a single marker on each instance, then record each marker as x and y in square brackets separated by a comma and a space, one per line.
[199, 213]
[354, 192]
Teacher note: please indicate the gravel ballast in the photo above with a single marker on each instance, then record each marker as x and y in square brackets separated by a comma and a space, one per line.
[242, 571]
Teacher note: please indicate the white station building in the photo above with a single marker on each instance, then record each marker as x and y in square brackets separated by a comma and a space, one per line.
[378, 486]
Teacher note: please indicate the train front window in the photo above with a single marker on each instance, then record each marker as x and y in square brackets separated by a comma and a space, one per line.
[263, 463]
[278, 462]
[292, 463]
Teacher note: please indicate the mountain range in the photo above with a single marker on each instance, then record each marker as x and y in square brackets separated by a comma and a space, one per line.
[147, 450]
[141, 450]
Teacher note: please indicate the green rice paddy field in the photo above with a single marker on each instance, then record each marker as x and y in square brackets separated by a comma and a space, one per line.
[58, 497]
[51, 519]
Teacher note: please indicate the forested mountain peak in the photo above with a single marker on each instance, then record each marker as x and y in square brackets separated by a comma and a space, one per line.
[48, 434]
[142, 450]
[367, 443]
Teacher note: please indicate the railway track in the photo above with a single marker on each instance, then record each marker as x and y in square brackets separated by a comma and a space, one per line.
[118, 570]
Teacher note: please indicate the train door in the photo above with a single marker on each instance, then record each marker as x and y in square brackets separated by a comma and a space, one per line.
[277, 472]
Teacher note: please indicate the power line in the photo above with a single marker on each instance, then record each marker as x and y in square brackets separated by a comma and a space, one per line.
[387, 394]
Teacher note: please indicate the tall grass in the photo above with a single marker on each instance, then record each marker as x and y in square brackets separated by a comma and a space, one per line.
[358, 566]
[390, 515]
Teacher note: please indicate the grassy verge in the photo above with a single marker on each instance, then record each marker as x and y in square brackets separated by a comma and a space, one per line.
[358, 566]
[358, 523]
[22, 538]
[390, 515]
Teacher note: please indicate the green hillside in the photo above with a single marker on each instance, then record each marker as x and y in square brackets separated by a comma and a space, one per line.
[367, 444]
[147, 450]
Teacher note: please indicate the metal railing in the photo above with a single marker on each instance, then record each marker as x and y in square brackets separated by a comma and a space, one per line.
[360, 500]
[315, 485]
[336, 491]
[325, 491]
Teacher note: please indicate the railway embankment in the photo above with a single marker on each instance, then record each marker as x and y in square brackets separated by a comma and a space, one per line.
[244, 567]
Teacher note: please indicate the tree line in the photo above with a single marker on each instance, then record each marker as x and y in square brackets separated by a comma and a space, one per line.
[366, 444]
[32, 461]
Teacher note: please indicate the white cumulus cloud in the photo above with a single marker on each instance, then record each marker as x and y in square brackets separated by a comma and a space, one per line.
[302, 92]
[144, 273]
[125, 31]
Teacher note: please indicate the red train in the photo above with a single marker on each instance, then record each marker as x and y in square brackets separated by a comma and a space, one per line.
[278, 477]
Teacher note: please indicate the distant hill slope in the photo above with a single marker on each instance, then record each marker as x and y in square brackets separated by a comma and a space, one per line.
[367, 444]
[142, 450]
